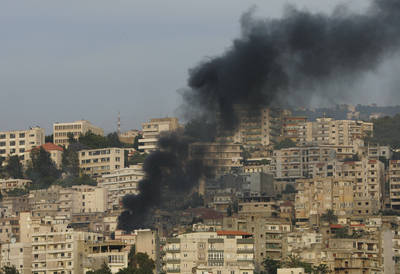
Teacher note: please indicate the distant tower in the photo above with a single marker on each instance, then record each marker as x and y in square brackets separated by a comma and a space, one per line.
[119, 124]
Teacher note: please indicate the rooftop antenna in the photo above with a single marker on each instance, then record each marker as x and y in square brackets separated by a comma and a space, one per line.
[119, 124]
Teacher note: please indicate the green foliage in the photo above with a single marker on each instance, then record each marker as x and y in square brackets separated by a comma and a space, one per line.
[48, 138]
[42, 170]
[289, 189]
[14, 167]
[105, 269]
[271, 266]
[74, 181]
[17, 192]
[141, 263]
[386, 131]
[94, 141]
[136, 141]
[285, 143]
[137, 158]
[329, 217]
[9, 270]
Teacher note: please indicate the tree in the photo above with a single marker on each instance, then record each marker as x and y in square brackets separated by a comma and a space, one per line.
[289, 189]
[285, 143]
[271, 266]
[70, 161]
[296, 262]
[48, 138]
[136, 141]
[14, 167]
[105, 269]
[42, 170]
[320, 269]
[329, 217]
[9, 270]
[137, 158]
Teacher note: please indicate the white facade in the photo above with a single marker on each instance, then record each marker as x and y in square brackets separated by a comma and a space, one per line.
[77, 128]
[121, 182]
[18, 141]
[97, 162]
[152, 131]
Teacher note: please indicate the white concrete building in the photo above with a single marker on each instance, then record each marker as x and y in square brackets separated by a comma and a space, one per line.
[77, 128]
[222, 252]
[153, 129]
[97, 162]
[18, 141]
[120, 183]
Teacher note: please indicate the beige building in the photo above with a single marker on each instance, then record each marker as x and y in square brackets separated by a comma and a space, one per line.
[17, 254]
[316, 196]
[54, 151]
[113, 253]
[291, 127]
[59, 249]
[257, 127]
[153, 129]
[18, 141]
[120, 183]
[128, 137]
[224, 252]
[394, 182]
[222, 157]
[335, 132]
[77, 128]
[98, 162]
[89, 199]
[10, 184]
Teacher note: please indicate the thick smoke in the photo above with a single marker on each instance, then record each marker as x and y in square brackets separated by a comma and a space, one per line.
[167, 169]
[278, 61]
[274, 59]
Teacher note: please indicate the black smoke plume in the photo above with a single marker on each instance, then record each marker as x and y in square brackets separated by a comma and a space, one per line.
[273, 60]
[167, 169]
[278, 61]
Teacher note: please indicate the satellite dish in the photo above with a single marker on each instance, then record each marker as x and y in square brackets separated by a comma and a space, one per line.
[13, 240]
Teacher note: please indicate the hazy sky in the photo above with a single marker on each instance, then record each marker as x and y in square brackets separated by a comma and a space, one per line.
[88, 59]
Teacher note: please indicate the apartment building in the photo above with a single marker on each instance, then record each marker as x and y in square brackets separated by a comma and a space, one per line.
[221, 157]
[316, 196]
[10, 184]
[17, 254]
[128, 137]
[121, 182]
[152, 130]
[291, 126]
[61, 131]
[9, 229]
[89, 199]
[98, 162]
[18, 141]
[362, 255]
[334, 132]
[369, 179]
[54, 151]
[224, 252]
[59, 249]
[257, 127]
[394, 183]
[113, 253]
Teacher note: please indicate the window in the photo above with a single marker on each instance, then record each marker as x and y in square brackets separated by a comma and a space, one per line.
[12, 135]
[22, 143]
[12, 143]
[22, 135]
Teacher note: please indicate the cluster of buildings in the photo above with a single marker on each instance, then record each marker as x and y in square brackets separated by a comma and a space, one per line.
[327, 198]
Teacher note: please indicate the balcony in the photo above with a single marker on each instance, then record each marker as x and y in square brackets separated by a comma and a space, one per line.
[244, 250]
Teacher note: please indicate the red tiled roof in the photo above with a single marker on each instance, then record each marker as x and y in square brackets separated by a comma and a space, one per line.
[232, 233]
[372, 162]
[49, 147]
[336, 226]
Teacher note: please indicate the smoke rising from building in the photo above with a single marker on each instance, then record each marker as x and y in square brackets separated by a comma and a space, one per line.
[170, 169]
[274, 62]
[281, 61]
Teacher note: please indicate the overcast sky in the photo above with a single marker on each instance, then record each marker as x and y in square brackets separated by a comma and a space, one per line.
[88, 59]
